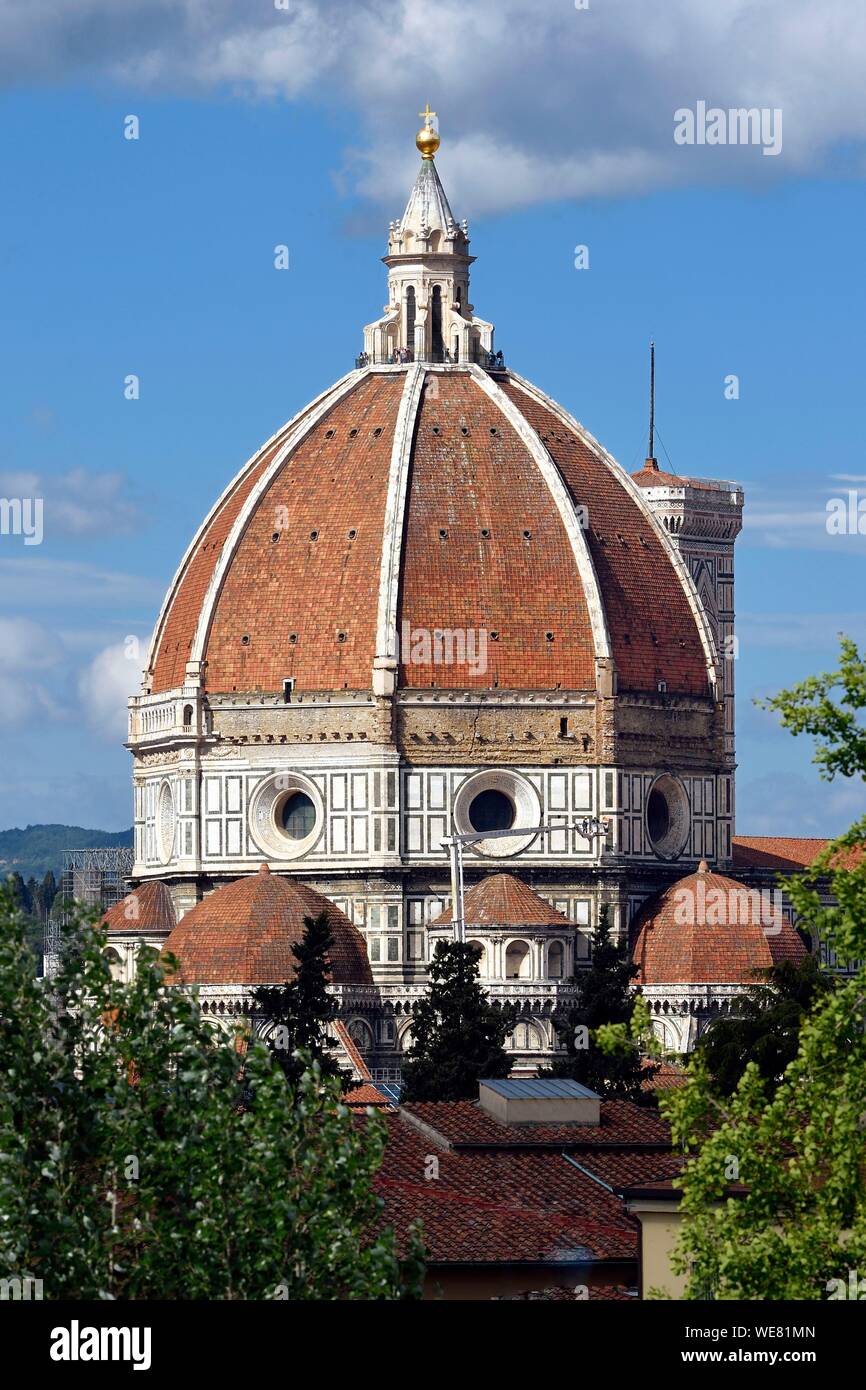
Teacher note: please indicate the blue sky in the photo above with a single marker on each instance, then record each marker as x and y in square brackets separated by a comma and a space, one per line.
[155, 257]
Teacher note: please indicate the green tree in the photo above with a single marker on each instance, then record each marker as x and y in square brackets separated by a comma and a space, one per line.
[604, 997]
[766, 1028]
[146, 1154]
[17, 890]
[800, 1152]
[302, 1009]
[458, 1036]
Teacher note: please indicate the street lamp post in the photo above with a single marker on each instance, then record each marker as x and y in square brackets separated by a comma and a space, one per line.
[589, 828]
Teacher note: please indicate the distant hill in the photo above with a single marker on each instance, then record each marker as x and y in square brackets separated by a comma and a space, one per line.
[38, 848]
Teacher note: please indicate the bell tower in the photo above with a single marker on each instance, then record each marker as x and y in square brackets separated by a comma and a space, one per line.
[428, 317]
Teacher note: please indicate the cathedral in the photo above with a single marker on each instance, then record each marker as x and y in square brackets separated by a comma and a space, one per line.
[433, 614]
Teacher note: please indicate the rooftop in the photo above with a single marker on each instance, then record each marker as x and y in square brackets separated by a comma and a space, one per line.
[520, 1194]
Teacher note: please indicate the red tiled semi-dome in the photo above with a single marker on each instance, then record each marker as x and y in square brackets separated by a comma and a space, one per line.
[469, 501]
[501, 900]
[243, 934]
[148, 909]
[710, 929]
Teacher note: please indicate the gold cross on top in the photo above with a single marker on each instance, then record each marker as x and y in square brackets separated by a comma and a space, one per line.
[427, 115]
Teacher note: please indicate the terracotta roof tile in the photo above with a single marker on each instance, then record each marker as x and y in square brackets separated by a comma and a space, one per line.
[149, 908]
[360, 1097]
[504, 563]
[650, 475]
[503, 900]
[512, 1206]
[464, 1124]
[785, 852]
[243, 934]
[308, 563]
[362, 1071]
[485, 550]
[652, 628]
[711, 929]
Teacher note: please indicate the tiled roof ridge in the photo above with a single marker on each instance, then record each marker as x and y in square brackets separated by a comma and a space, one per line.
[351, 1050]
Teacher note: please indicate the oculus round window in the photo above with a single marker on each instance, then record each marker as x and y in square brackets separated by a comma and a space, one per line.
[496, 799]
[297, 816]
[667, 816]
[658, 817]
[287, 815]
[491, 810]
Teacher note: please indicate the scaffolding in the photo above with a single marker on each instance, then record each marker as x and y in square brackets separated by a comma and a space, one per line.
[92, 878]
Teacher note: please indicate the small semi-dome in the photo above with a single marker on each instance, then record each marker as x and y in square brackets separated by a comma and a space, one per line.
[148, 909]
[501, 900]
[711, 929]
[243, 934]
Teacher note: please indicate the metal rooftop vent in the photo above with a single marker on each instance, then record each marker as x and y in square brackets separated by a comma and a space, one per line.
[549, 1102]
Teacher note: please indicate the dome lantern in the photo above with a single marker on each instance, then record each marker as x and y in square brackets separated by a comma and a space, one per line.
[428, 317]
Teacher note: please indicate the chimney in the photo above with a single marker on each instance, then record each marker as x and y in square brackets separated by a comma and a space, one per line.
[549, 1102]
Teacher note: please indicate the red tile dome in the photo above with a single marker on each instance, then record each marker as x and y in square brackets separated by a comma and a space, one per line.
[444, 497]
[501, 900]
[710, 929]
[243, 934]
[148, 909]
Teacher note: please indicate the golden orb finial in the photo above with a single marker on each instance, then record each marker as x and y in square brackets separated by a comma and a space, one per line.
[427, 139]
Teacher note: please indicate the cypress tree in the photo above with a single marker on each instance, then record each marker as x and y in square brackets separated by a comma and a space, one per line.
[302, 1009]
[458, 1036]
[603, 996]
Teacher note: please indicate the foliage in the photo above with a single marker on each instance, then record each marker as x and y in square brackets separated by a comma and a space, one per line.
[604, 998]
[766, 1027]
[301, 1009]
[800, 1154]
[146, 1154]
[458, 1036]
[35, 900]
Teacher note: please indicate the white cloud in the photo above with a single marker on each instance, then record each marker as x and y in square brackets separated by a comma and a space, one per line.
[106, 683]
[42, 673]
[537, 101]
[76, 503]
[40, 582]
[26, 648]
[796, 517]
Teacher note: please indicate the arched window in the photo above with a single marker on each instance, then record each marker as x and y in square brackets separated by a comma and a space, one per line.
[360, 1034]
[555, 960]
[115, 964]
[479, 951]
[437, 346]
[517, 961]
[410, 318]
[187, 716]
[525, 1038]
